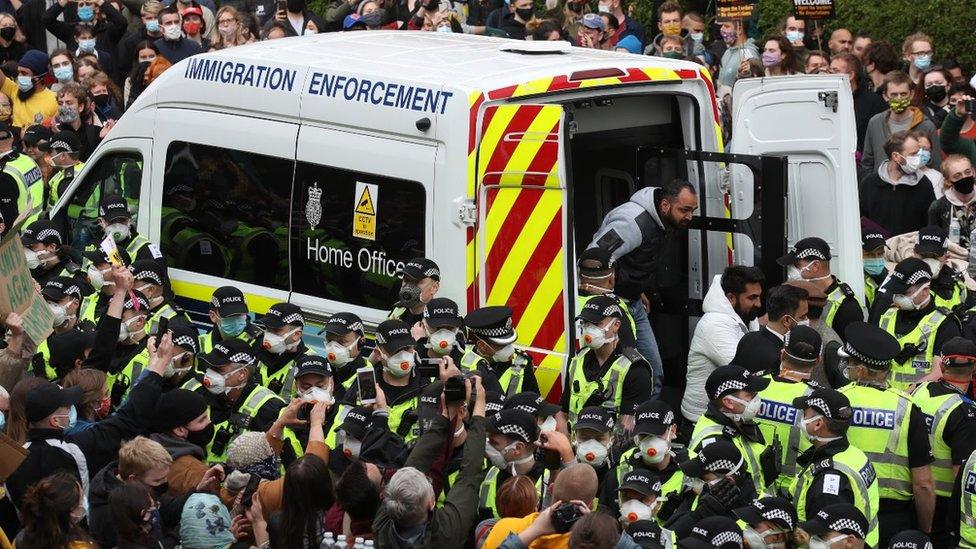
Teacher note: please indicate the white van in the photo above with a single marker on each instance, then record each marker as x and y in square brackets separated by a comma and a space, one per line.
[308, 169]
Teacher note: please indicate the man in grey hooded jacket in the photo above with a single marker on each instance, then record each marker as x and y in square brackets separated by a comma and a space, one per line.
[641, 237]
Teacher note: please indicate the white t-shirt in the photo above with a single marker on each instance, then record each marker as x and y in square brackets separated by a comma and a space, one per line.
[297, 24]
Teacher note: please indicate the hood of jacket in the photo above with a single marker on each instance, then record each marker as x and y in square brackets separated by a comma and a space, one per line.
[910, 179]
[917, 117]
[178, 447]
[645, 199]
[103, 483]
[715, 302]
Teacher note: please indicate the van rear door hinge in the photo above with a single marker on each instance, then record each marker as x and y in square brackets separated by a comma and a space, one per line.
[829, 99]
[467, 213]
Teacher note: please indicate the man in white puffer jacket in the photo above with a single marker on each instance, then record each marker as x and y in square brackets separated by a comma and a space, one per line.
[731, 307]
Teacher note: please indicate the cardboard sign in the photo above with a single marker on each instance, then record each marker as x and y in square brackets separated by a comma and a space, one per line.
[18, 293]
[111, 251]
[364, 211]
[735, 9]
[815, 10]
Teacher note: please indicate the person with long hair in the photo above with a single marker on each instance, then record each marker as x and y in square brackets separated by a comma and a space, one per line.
[96, 404]
[779, 57]
[17, 414]
[230, 30]
[308, 494]
[931, 94]
[51, 511]
[145, 53]
[135, 516]
[106, 96]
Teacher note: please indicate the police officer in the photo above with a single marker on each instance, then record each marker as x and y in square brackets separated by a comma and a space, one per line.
[890, 430]
[442, 331]
[151, 280]
[510, 451]
[182, 368]
[595, 270]
[733, 405]
[230, 317]
[593, 432]
[343, 346]
[777, 418]
[313, 383]
[237, 403]
[420, 279]
[64, 152]
[654, 432]
[770, 522]
[648, 534]
[63, 296]
[394, 373]
[20, 173]
[809, 259]
[115, 220]
[875, 271]
[279, 348]
[44, 251]
[948, 285]
[603, 372]
[966, 488]
[919, 325]
[355, 425]
[951, 418]
[838, 523]
[638, 496]
[101, 279]
[493, 348]
[129, 354]
[545, 412]
[714, 532]
[832, 470]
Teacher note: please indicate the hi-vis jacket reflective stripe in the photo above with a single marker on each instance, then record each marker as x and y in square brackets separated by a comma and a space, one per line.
[252, 403]
[880, 430]
[967, 516]
[958, 297]
[779, 420]
[486, 495]
[511, 378]
[937, 410]
[706, 428]
[30, 185]
[834, 300]
[910, 372]
[612, 383]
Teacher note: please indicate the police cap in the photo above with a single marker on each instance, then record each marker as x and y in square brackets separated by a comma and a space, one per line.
[229, 351]
[342, 323]
[394, 335]
[931, 241]
[598, 308]
[65, 141]
[441, 312]
[907, 273]
[870, 345]
[871, 239]
[420, 268]
[61, 287]
[910, 539]
[719, 456]
[228, 301]
[595, 262]
[515, 424]
[6, 131]
[532, 403]
[717, 532]
[653, 417]
[642, 481]
[148, 270]
[958, 352]
[829, 403]
[596, 418]
[136, 301]
[282, 314]
[494, 402]
[312, 364]
[494, 322]
[731, 378]
[356, 422]
[185, 336]
[803, 344]
[646, 534]
[113, 207]
[808, 248]
[779, 511]
[42, 231]
[842, 518]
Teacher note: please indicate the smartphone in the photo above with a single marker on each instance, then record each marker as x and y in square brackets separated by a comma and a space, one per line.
[429, 368]
[162, 326]
[249, 490]
[366, 378]
[971, 105]
[282, 5]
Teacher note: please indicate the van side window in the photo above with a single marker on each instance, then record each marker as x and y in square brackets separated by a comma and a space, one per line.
[114, 173]
[225, 213]
[352, 232]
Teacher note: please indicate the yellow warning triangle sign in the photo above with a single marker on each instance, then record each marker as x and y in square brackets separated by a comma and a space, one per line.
[365, 203]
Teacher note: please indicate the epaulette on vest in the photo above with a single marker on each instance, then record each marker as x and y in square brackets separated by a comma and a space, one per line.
[633, 355]
[825, 464]
[846, 289]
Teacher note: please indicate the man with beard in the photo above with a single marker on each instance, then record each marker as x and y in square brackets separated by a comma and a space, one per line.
[641, 236]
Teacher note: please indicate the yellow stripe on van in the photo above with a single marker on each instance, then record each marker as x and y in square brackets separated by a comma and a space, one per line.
[535, 136]
[528, 240]
[534, 87]
[549, 369]
[549, 290]
[495, 217]
[203, 292]
[660, 73]
[492, 135]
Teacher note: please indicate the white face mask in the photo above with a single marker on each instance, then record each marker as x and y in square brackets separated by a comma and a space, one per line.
[31, 257]
[125, 330]
[172, 32]
[317, 394]
[816, 542]
[548, 425]
[504, 354]
[595, 336]
[399, 364]
[634, 510]
[795, 273]
[495, 456]
[751, 408]
[593, 452]
[603, 8]
[217, 383]
[653, 449]
[757, 540]
[351, 447]
[442, 341]
[119, 231]
[60, 314]
[276, 344]
[97, 278]
[934, 265]
[172, 370]
[912, 163]
[907, 302]
[339, 354]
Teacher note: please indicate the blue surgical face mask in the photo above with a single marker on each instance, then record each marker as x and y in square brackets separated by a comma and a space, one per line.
[794, 36]
[87, 45]
[925, 156]
[3, 421]
[874, 265]
[152, 25]
[444, 29]
[922, 62]
[86, 13]
[64, 74]
[233, 326]
[25, 83]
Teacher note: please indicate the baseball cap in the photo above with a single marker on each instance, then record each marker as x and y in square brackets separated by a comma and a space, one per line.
[731, 378]
[113, 207]
[842, 518]
[532, 403]
[494, 402]
[931, 241]
[595, 262]
[598, 308]
[442, 311]
[871, 239]
[229, 351]
[352, 20]
[806, 248]
[343, 323]
[42, 231]
[906, 273]
[37, 135]
[719, 456]
[281, 314]
[958, 351]
[593, 21]
[646, 533]
[148, 270]
[653, 417]
[312, 364]
[6, 131]
[420, 268]
[517, 424]
[66, 347]
[228, 301]
[356, 422]
[719, 532]
[44, 399]
[803, 344]
[65, 141]
[596, 418]
[641, 481]
[910, 539]
[828, 402]
[192, 10]
[61, 287]
[779, 511]
[394, 335]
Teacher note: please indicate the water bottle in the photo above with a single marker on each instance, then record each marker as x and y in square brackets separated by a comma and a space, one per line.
[328, 542]
[369, 544]
[954, 230]
[972, 254]
[359, 543]
[341, 542]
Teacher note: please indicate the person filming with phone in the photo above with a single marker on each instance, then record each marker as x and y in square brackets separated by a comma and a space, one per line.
[950, 139]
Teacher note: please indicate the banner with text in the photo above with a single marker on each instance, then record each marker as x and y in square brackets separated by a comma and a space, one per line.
[17, 291]
[735, 9]
[815, 10]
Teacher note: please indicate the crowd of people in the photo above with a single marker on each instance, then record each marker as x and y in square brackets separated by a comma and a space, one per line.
[808, 416]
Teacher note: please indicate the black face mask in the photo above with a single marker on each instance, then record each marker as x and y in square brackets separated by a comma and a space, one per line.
[936, 93]
[202, 437]
[296, 6]
[159, 489]
[7, 33]
[964, 185]
[524, 13]
[101, 99]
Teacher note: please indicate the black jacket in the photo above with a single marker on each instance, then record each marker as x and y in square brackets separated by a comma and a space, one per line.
[125, 55]
[866, 105]
[108, 31]
[289, 30]
[898, 208]
[759, 351]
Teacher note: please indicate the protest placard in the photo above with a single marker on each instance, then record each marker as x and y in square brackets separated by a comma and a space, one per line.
[814, 10]
[735, 9]
[17, 290]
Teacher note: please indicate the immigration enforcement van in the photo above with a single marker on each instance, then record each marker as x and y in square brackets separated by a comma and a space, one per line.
[309, 169]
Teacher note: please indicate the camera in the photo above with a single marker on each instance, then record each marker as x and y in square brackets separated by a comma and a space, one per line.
[454, 390]
[564, 517]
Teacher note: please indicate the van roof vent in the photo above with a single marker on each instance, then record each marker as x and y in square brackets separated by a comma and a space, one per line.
[536, 47]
